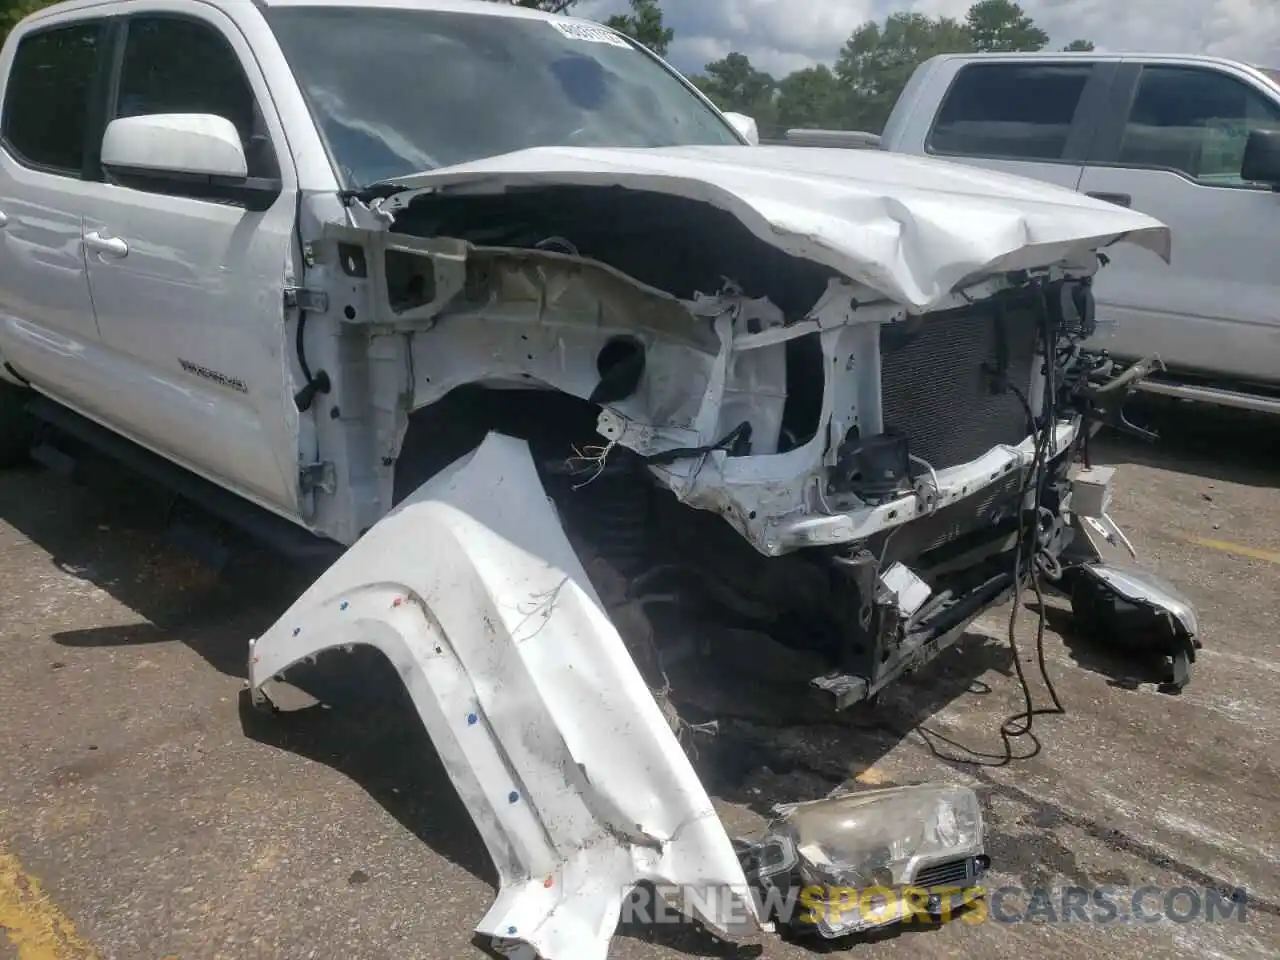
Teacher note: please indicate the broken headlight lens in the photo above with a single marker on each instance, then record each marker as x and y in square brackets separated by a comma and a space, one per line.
[858, 853]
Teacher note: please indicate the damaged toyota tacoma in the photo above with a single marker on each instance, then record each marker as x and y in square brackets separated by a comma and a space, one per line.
[588, 392]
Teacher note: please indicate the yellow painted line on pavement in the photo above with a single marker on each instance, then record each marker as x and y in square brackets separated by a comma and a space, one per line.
[1225, 546]
[32, 922]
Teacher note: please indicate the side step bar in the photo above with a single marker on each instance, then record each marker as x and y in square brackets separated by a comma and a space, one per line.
[275, 532]
[1215, 395]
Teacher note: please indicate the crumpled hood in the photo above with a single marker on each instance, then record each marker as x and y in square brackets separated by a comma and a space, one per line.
[911, 228]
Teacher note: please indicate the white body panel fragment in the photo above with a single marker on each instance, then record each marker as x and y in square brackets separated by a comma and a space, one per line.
[572, 774]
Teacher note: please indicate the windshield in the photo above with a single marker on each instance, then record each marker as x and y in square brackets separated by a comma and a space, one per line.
[398, 91]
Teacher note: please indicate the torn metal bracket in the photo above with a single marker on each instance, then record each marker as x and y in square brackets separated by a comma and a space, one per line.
[302, 298]
[843, 689]
[1106, 401]
[440, 262]
[317, 476]
[845, 303]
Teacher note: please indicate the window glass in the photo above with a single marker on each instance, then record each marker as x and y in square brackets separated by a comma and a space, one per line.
[47, 98]
[399, 91]
[1196, 121]
[176, 65]
[1018, 110]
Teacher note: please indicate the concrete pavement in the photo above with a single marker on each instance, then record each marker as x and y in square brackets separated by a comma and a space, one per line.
[163, 818]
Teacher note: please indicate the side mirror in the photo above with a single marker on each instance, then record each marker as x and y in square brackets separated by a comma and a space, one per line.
[746, 126]
[197, 144]
[186, 154]
[1262, 158]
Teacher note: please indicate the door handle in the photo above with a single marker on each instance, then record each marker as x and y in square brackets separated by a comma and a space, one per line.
[1119, 199]
[107, 246]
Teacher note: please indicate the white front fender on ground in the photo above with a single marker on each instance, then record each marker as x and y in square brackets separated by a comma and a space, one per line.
[571, 773]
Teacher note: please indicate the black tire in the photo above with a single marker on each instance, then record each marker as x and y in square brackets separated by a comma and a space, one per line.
[17, 426]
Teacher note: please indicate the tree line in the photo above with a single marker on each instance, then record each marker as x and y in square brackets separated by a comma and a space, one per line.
[857, 92]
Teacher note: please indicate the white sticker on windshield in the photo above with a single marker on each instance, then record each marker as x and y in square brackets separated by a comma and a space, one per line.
[589, 33]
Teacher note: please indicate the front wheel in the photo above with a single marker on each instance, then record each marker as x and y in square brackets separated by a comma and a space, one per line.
[17, 426]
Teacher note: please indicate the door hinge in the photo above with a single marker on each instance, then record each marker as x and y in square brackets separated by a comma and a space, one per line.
[302, 298]
[317, 476]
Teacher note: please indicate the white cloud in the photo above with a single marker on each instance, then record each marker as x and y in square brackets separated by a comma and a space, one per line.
[782, 35]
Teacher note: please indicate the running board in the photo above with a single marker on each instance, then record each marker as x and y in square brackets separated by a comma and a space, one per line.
[275, 532]
[1214, 395]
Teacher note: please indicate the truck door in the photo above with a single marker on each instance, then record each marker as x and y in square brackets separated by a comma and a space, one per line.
[1029, 118]
[1172, 148]
[188, 286]
[47, 328]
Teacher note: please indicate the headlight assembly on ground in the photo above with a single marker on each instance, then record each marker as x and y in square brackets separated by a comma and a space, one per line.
[875, 858]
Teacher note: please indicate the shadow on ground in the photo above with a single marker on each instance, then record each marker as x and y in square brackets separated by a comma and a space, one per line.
[114, 530]
[1123, 669]
[778, 744]
[1219, 444]
[366, 728]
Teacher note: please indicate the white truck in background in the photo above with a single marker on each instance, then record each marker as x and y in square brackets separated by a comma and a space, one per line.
[585, 396]
[1191, 140]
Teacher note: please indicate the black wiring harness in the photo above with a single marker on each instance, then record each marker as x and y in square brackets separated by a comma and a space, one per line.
[1030, 563]
[1020, 724]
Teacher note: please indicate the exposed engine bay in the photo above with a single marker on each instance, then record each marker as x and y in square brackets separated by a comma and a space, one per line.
[866, 477]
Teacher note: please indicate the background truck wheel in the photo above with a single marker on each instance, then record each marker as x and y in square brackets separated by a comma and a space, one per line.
[17, 426]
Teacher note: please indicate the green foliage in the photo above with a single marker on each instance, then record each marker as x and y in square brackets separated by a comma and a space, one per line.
[813, 97]
[550, 6]
[734, 84]
[644, 24]
[1084, 46]
[872, 68]
[877, 61]
[15, 10]
[1001, 26]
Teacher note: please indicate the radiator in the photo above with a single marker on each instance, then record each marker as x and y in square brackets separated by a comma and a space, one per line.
[936, 386]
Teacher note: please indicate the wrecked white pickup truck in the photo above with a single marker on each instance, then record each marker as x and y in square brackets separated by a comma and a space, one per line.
[580, 377]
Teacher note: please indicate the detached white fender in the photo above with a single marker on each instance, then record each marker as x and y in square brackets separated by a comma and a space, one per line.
[541, 718]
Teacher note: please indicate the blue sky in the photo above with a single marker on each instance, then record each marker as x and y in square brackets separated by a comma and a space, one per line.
[782, 35]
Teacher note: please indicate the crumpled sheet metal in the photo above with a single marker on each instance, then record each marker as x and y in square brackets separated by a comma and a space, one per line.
[911, 228]
[571, 773]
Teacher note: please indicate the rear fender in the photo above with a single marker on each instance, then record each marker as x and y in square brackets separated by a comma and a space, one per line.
[546, 728]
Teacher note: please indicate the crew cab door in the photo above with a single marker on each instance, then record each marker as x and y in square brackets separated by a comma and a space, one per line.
[1029, 118]
[187, 284]
[1172, 147]
[47, 328]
